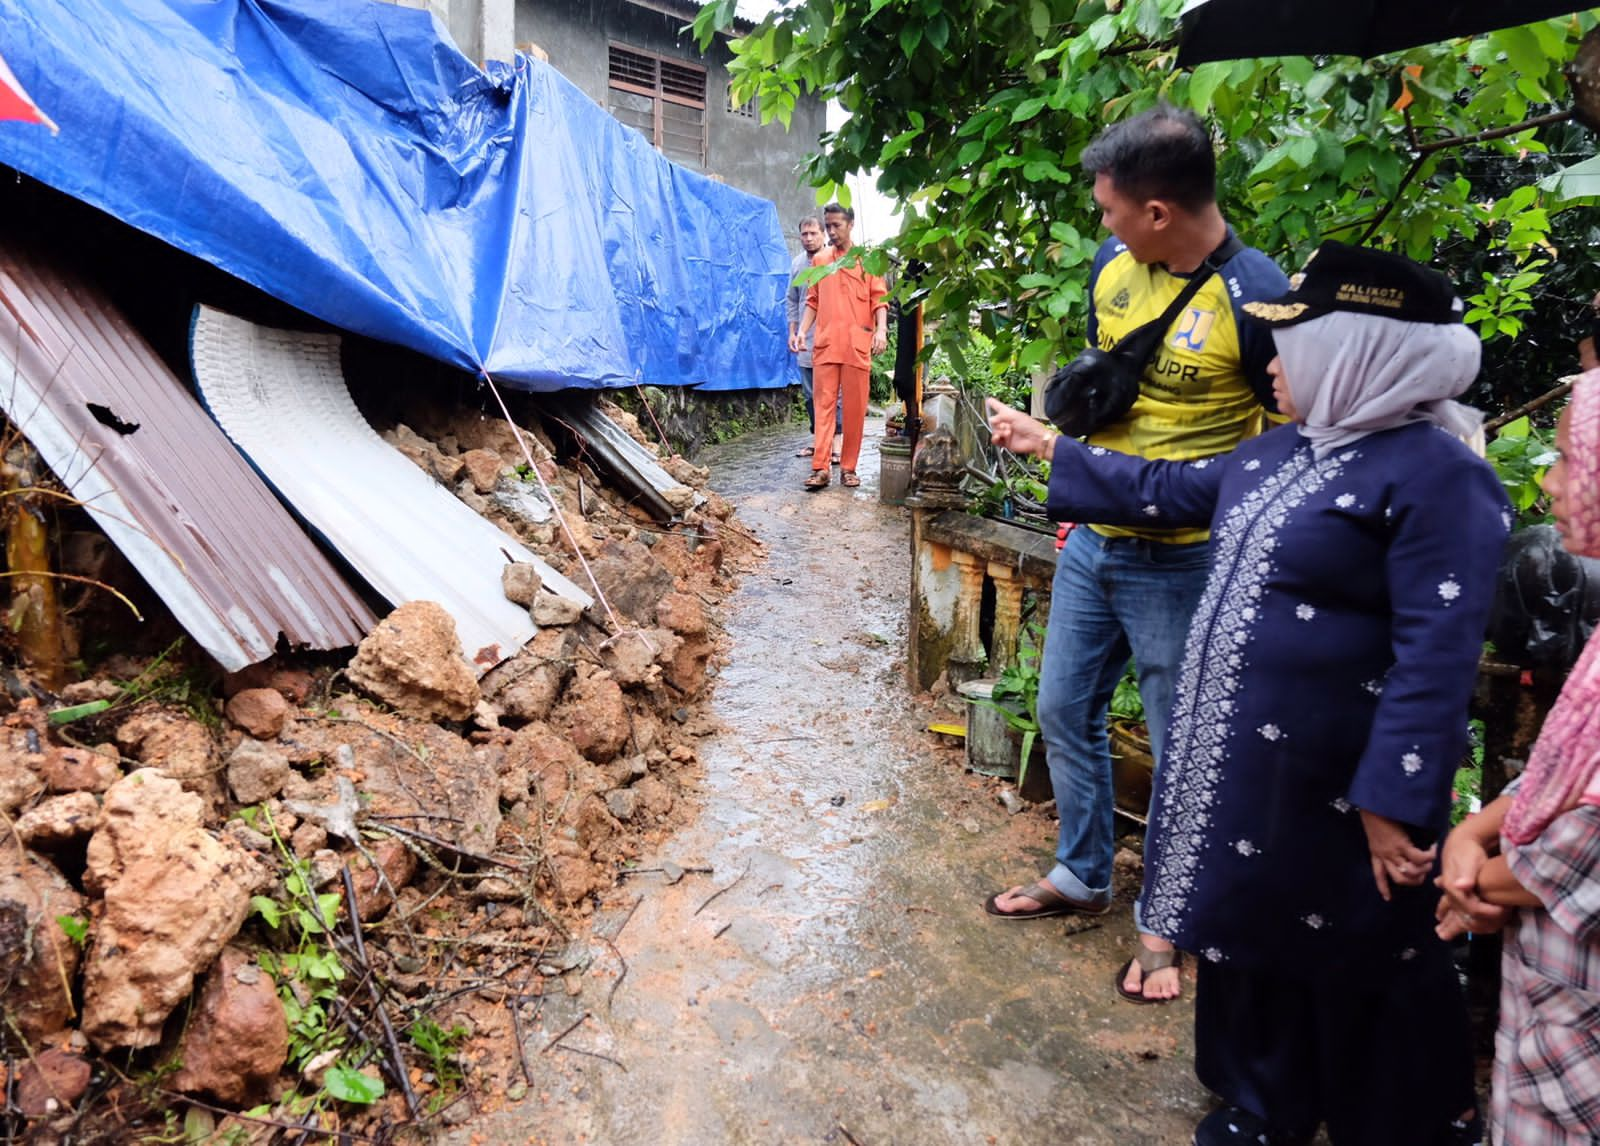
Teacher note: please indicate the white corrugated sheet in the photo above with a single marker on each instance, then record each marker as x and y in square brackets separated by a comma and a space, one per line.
[280, 395]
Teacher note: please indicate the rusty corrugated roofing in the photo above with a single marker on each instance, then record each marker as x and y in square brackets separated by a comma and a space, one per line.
[158, 475]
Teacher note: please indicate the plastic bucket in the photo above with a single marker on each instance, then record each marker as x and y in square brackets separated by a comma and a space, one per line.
[894, 471]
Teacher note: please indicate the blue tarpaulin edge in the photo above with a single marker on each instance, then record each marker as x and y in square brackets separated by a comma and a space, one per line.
[343, 156]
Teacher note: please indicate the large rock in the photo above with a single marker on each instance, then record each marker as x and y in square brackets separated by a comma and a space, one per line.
[82, 769]
[376, 887]
[37, 959]
[173, 896]
[51, 1081]
[24, 752]
[571, 878]
[237, 1039]
[294, 685]
[419, 774]
[533, 694]
[256, 771]
[557, 775]
[180, 746]
[632, 579]
[483, 468]
[521, 582]
[526, 687]
[551, 609]
[632, 656]
[682, 613]
[594, 716]
[687, 670]
[58, 821]
[259, 712]
[424, 454]
[413, 662]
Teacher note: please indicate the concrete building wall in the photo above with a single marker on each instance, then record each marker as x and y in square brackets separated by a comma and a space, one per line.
[575, 35]
[761, 159]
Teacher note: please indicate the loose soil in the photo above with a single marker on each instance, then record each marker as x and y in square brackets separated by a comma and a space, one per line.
[808, 960]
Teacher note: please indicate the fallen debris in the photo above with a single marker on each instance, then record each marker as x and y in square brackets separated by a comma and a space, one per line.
[413, 662]
[282, 887]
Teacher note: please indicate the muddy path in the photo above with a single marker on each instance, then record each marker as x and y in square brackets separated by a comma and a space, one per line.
[833, 977]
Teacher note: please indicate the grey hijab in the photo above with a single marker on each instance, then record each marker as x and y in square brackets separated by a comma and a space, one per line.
[1351, 375]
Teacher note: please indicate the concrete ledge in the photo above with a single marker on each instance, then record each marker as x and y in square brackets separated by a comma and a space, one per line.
[1033, 554]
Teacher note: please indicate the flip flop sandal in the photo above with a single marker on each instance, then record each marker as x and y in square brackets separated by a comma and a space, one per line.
[817, 480]
[805, 453]
[1149, 963]
[834, 459]
[848, 478]
[1051, 903]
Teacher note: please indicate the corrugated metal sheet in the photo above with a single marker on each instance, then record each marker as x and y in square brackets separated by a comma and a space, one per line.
[633, 466]
[157, 475]
[280, 395]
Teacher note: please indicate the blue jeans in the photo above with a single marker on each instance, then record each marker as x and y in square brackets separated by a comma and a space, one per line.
[806, 388]
[1112, 596]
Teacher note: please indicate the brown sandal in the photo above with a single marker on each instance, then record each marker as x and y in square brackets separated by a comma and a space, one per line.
[817, 480]
[1149, 963]
[848, 478]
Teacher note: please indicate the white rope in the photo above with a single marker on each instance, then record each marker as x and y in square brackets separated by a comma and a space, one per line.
[516, 431]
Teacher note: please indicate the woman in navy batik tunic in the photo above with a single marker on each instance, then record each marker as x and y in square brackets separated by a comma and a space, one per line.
[1321, 712]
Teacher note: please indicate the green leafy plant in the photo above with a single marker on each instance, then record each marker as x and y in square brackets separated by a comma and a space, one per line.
[441, 1045]
[349, 1085]
[308, 976]
[1016, 694]
[78, 711]
[1126, 703]
[977, 117]
[1468, 785]
[165, 681]
[1495, 310]
[972, 360]
[75, 928]
[1521, 453]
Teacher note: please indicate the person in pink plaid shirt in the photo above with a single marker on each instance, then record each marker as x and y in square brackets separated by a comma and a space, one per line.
[1530, 861]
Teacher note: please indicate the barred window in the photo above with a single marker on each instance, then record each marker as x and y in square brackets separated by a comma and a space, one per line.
[664, 100]
[746, 110]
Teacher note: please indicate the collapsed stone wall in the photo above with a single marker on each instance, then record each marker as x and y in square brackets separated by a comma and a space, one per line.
[155, 849]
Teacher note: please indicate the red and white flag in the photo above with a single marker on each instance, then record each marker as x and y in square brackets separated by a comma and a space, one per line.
[16, 104]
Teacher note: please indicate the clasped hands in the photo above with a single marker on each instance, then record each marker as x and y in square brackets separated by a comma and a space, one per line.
[1461, 908]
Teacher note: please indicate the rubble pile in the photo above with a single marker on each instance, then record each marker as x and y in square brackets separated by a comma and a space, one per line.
[302, 901]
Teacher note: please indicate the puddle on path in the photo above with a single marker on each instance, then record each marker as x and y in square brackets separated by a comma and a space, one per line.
[834, 979]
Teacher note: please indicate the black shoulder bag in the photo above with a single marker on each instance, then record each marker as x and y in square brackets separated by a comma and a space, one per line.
[1099, 387]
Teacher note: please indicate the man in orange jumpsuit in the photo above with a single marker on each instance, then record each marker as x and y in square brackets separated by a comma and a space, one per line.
[851, 317]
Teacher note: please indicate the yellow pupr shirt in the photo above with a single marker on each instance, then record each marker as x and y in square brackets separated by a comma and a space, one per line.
[1203, 390]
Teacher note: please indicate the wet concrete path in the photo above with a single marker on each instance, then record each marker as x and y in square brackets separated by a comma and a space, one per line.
[834, 978]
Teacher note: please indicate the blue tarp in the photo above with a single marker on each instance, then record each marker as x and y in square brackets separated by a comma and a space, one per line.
[343, 156]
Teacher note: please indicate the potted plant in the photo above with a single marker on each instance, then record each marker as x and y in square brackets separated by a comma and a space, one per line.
[1133, 764]
[1016, 697]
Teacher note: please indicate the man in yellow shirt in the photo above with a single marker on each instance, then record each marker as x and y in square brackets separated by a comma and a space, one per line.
[1121, 592]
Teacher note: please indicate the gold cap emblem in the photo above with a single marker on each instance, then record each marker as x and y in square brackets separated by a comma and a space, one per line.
[1275, 311]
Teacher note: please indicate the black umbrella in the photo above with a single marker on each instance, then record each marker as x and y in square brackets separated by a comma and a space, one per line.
[1246, 29]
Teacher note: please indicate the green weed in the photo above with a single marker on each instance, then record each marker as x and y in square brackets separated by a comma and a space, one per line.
[75, 928]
